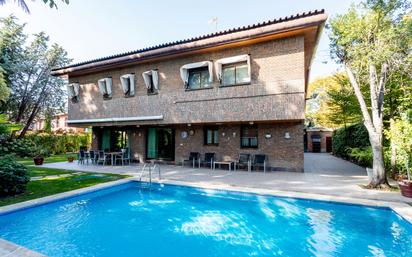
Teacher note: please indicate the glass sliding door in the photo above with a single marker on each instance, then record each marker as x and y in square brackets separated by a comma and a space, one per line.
[114, 139]
[151, 144]
[160, 144]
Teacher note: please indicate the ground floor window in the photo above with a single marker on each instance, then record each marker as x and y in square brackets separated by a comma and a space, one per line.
[249, 136]
[211, 136]
[113, 140]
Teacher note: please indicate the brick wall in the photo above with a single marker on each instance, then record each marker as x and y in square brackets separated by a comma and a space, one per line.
[275, 93]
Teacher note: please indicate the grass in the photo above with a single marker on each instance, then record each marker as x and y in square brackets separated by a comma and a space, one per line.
[47, 186]
[50, 159]
[40, 188]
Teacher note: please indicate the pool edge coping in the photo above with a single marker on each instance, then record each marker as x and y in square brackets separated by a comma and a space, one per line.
[402, 209]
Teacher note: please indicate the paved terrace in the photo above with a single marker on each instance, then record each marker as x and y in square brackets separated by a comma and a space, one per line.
[324, 175]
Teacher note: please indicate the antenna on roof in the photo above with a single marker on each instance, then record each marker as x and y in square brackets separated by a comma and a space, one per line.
[214, 20]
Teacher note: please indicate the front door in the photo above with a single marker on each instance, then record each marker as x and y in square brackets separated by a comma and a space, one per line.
[160, 144]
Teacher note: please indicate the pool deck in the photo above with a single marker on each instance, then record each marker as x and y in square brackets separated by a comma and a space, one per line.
[326, 178]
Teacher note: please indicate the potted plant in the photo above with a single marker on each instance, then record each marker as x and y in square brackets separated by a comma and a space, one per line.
[39, 156]
[70, 158]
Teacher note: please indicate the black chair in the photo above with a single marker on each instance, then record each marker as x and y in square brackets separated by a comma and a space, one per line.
[193, 158]
[259, 160]
[102, 158]
[123, 157]
[243, 161]
[93, 156]
[82, 157]
[208, 160]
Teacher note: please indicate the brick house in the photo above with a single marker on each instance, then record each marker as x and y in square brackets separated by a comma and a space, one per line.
[58, 123]
[237, 91]
[319, 140]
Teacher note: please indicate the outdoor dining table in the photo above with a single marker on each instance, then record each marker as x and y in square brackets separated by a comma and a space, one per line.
[113, 154]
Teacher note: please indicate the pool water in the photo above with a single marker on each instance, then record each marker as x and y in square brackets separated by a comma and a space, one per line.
[129, 220]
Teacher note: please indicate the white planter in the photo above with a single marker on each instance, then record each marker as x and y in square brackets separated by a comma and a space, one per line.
[369, 171]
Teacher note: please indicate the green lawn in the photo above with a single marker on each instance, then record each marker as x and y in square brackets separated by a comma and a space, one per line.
[53, 158]
[49, 186]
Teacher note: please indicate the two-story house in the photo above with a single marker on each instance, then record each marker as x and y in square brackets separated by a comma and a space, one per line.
[240, 90]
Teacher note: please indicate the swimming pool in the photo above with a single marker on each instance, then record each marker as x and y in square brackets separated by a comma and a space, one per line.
[167, 220]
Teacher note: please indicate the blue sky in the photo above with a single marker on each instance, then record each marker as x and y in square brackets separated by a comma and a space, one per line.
[96, 28]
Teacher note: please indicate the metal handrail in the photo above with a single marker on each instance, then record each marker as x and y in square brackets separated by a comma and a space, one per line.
[152, 166]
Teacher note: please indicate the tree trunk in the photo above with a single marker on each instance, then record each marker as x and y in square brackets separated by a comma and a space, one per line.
[393, 149]
[374, 122]
[379, 174]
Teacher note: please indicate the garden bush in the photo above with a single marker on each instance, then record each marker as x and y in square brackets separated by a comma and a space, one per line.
[361, 156]
[353, 136]
[13, 176]
[20, 147]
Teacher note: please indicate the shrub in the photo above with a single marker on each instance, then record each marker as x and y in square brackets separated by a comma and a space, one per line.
[353, 136]
[20, 147]
[361, 156]
[13, 176]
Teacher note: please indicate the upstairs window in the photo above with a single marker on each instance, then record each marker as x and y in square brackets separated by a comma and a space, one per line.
[197, 75]
[249, 136]
[105, 87]
[211, 136]
[235, 74]
[198, 78]
[127, 82]
[151, 80]
[73, 91]
[234, 70]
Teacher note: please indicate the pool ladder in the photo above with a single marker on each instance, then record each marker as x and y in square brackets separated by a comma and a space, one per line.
[149, 168]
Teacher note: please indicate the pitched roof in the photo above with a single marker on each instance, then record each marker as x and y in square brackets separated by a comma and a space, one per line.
[112, 58]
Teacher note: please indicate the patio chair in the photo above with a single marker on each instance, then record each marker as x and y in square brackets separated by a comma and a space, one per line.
[243, 161]
[81, 157]
[259, 160]
[93, 156]
[193, 158]
[123, 157]
[102, 158]
[208, 160]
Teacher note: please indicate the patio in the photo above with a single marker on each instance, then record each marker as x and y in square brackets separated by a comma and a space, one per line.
[324, 175]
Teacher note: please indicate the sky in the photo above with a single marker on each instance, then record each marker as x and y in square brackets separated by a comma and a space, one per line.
[97, 28]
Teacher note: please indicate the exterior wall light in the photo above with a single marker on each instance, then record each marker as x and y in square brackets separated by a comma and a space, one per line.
[287, 135]
[268, 136]
[223, 134]
[234, 134]
[191, 132]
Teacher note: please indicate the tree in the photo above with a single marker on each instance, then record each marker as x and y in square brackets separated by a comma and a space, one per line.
[333, 103]
[34, 91]
[24, 7]
[375, 36]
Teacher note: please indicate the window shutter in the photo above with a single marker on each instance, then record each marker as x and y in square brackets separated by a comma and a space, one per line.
[128, 84]
[155, 79]
[105, 87]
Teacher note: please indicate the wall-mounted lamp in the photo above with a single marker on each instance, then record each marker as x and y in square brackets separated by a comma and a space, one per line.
[287, 135]
[223, 134]
[268, 136]
[189, 125]
[251, 123]
[140, 134]
[234, 134]
[191, 132]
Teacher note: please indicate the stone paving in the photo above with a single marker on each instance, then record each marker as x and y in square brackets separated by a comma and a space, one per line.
[324, 175]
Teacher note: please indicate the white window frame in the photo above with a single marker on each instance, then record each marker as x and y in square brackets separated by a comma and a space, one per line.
[128, 84]
[151, 78]
[105, 87]
[232, 60]
[184, 71]
[73, 91]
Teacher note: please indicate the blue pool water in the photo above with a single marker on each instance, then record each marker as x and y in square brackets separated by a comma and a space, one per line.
[129, 220]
